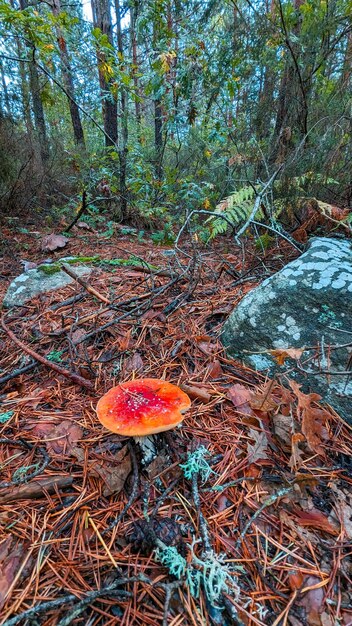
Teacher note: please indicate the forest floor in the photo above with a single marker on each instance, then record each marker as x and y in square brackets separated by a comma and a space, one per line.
[265, 522]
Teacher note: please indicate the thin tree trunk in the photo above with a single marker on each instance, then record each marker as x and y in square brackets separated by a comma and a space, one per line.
[135, 64]
[37, 105]
[5, 91]
[102, 20]
[158, 123]
[124, 117]
[68, 79]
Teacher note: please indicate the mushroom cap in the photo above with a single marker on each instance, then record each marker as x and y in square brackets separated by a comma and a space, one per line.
[144, 406]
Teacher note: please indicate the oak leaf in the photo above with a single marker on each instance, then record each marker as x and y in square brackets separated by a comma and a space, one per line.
[288, 353]
[53, 242]
[240, 397]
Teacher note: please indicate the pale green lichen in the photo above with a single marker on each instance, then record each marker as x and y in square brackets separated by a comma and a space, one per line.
[171, 558]
[211, 573]
[197, 464]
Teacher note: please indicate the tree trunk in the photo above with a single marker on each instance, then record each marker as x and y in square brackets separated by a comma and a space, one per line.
[37, 105]
[158, 136]
[124, 117]
[68, 79]
[158, 122]
[102, 20]
[292, 109]
[135, 64]
[5, 91]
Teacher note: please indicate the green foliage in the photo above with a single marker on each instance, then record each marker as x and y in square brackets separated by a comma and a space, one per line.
[264, 241]
[236, 208]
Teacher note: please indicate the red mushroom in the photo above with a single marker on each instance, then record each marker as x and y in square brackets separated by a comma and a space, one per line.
[143, 407]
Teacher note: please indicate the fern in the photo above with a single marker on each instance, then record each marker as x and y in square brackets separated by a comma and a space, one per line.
[236, 208]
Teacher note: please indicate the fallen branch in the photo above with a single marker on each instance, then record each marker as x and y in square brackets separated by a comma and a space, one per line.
[37, 488]
[75, 378]
[67, 269]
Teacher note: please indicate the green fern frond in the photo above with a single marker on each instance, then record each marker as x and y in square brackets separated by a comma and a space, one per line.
[236, 208]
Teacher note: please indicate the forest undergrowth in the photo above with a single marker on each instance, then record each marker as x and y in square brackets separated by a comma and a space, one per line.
[245, 514]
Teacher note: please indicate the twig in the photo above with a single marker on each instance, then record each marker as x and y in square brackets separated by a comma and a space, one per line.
[80, 606]
[44, 607]
[76, 378]
[80, 212]
[72, 300]
[268, 502]
[203, 527]
[18, 372]
[28, 476]
[66, 268]
[257, 203]
[36, 488]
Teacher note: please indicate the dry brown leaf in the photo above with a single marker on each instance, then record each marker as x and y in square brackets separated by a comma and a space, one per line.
[343, 504]
[313, 601]
[10, 559]
[296, 459]
[240, 397]
[114, 474]
[215, 370]
[197, 393]
[315, 519]
[208, 348]
[288, 353]
[263, 399]
[258, 450]
[312, 418]
[60, 437]
[133, 363]
[283, 427]
[84, 226]
[53, 242]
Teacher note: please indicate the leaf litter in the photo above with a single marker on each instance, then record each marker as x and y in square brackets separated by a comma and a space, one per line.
[277, 501]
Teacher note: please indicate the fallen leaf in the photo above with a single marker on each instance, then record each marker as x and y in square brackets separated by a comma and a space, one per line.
[283, 425]
[125, 340]
[313, 601]
[197, 393]
[215, 370]
[84, 225]
[208, 348]
[60, 437]
[240, 397]
[315, 519]
[133, 363]
[343, 504]
[53, 242]
[263, 399]
[312, 418]
[10, 558]
[288, 353]
[258, 450]
[296, 459]
[114, 474]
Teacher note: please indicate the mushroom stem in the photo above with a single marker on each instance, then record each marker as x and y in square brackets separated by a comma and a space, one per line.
[147, 445]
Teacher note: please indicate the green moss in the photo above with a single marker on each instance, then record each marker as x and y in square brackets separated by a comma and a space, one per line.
[53, 268]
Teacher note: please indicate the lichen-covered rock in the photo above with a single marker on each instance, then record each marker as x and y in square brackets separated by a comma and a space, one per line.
[34, 282]
[306, 304]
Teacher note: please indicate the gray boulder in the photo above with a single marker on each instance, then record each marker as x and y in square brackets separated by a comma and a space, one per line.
[34, 282]
[307, 304]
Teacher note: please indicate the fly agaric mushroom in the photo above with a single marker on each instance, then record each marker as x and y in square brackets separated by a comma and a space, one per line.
[141, 408]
